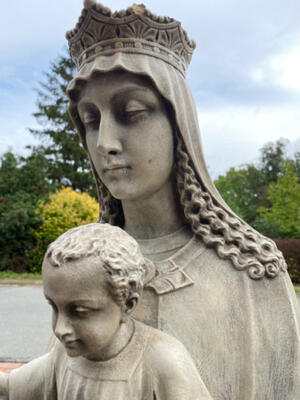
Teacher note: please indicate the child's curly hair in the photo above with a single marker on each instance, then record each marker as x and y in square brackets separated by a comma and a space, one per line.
[118, 254]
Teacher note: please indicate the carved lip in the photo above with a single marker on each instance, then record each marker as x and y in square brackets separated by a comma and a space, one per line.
[71, 343]
[114, 167]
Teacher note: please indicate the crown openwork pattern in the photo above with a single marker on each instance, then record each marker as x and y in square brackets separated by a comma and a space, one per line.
[135, 30]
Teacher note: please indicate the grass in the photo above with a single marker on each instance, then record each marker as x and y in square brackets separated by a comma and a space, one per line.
[14, 275]
[297, 289]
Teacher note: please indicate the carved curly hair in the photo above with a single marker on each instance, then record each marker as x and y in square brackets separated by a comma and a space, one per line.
[231, 238]
[118, 254]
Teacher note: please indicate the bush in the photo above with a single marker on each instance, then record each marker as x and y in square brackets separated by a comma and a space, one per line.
[65, 209]
[23, 183]
[290, 249]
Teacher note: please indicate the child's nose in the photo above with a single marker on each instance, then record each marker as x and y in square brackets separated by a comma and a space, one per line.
[62, 327]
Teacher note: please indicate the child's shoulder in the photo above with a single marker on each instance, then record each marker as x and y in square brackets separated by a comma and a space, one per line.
[171, 366]
[158, 338]
[164, 352]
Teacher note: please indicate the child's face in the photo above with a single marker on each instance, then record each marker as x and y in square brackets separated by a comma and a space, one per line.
[85, 317]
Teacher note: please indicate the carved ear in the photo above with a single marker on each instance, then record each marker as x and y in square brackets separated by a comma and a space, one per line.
[131, 303]
[129, 306]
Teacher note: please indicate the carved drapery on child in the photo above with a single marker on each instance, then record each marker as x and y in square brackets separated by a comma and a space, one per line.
[93, 277]
[220, 287]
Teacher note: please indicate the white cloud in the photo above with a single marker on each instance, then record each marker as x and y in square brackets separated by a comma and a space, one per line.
[280, 69]
[233, 135]
[286, 67]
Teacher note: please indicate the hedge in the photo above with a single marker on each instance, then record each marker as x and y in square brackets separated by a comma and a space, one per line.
[290, 249]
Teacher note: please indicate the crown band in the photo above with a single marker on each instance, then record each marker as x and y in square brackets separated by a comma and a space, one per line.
[135, 30]
[128, 45]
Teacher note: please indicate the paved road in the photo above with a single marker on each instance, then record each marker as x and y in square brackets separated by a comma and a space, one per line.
[25, 323]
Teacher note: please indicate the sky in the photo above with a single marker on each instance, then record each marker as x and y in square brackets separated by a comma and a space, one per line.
[244, 73]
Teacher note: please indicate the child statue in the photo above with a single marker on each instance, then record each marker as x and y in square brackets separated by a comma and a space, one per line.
[93, 277]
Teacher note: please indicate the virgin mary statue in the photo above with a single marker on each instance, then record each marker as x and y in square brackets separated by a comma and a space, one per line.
[215, 283]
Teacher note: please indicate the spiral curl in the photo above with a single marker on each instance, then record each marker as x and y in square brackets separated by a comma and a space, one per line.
[232, 238]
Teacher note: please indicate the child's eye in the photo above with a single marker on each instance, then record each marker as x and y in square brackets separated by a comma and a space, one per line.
[80, 311]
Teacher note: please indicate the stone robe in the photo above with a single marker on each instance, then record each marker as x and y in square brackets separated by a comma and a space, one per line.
[243, 334]
[153, 366]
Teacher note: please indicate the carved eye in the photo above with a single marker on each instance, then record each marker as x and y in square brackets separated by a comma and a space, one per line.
[91, 119]
[134, 109]
[134, 115]
[80, 312]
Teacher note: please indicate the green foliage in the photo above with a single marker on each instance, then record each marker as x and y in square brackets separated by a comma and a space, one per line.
[272, 157]
[68, 162]
[22, 183]
[296, 164]
[65, 209]
[241, 189]
[265, 195]
[284, 198]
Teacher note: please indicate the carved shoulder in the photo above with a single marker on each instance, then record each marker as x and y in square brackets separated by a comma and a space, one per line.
[174, 372]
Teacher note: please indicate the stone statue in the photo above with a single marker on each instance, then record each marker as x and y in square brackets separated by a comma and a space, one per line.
[93, 277]
[219, 286]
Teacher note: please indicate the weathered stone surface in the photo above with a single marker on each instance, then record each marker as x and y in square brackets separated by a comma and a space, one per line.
[220, 287]
[93, 277]
[213, 282]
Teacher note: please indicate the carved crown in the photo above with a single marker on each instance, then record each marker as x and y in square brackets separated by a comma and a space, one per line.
[135, 30]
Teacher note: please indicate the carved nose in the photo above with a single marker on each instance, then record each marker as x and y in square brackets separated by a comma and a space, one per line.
[108, 142]
[62, 327]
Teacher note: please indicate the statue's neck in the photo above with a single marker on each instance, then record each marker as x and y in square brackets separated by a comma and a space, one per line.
[163, 247]
[153, 216]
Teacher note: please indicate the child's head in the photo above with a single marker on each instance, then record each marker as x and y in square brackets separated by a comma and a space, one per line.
[117, 253]
[93, 276]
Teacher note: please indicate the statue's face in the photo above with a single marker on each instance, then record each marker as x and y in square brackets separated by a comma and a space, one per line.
[128, 134]
[85, 317]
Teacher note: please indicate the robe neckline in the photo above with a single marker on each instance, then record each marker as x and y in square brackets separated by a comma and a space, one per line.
[118, 368]
[170, 274]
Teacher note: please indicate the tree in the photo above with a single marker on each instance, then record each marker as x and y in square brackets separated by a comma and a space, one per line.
[284, 198]
[272, 157]
[247, 189]
[296, 163]
[63, 210]
[241, 189]
[68, 162]
[23, 183]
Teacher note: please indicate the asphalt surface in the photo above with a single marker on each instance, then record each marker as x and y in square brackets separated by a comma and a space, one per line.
[25, 323]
